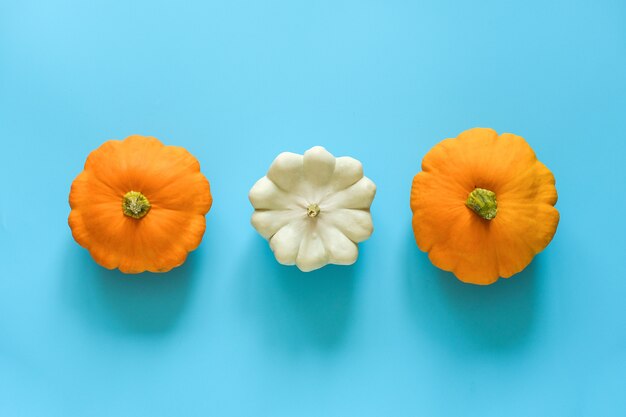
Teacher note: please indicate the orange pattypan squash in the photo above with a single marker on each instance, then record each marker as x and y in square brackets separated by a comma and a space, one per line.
[139, 205]
[483, 205]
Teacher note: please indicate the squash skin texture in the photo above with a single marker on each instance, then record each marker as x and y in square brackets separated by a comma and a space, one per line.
[169, 176]
[476, 250]
[313, 208]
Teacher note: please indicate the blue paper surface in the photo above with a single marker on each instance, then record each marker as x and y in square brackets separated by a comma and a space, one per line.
[233, 333]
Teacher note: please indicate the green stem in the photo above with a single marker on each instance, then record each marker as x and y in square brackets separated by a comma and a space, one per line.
[135, 205]
[483, 202]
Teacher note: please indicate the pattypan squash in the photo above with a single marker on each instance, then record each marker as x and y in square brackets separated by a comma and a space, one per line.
[313, 208]
[483, 205]
[139, 205]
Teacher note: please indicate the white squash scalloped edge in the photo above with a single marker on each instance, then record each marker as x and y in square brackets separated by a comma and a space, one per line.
[328, 233]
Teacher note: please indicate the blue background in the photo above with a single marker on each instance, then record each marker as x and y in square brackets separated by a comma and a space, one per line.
[232, 333]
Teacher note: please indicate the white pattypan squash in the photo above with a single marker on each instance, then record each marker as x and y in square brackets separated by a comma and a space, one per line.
[313, 208]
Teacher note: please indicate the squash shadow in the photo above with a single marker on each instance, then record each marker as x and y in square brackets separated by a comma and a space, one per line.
[296, 310]
[145, 303]
[493, 318]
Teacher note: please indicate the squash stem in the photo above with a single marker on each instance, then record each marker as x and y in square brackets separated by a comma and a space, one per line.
[312, 210]
[483, 202]
[135, 205]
